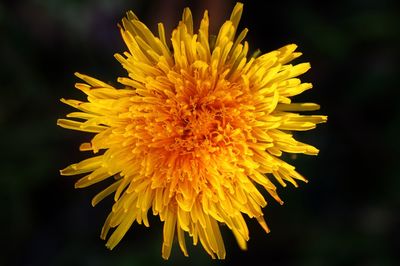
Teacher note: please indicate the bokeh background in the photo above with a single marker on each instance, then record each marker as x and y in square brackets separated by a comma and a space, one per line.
[346, 215]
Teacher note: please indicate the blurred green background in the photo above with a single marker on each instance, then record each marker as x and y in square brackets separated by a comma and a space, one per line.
[346, 215]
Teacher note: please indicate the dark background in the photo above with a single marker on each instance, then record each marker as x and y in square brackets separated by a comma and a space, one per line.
[346, 215]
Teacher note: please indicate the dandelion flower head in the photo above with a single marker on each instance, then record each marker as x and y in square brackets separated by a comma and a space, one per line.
[194, 134]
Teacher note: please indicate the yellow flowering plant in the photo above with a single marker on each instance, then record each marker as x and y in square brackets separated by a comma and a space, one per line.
[192, 134]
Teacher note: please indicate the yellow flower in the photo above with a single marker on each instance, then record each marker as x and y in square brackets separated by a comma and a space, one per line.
[195, 132]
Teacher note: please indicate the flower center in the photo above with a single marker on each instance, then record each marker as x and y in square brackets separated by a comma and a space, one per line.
[199, 125]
